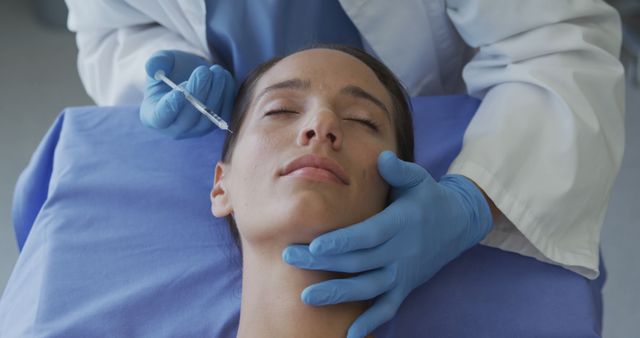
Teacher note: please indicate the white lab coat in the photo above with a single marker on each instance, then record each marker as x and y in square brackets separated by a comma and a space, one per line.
[545, 144]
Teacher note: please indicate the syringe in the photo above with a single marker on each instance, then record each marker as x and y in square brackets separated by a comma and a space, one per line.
[217, 120]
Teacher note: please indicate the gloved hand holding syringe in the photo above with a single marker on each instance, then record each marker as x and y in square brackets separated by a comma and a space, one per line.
[213, 117]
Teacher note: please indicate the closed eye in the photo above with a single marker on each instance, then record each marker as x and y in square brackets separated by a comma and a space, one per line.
[369, 123]
[280, 111]
[366, 122]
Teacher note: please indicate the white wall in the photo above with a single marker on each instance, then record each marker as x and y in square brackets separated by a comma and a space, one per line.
[38, 78]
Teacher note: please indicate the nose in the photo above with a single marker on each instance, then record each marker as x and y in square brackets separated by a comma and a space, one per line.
[324, 127]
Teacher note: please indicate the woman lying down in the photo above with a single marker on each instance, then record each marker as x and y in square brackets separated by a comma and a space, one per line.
[302, 162]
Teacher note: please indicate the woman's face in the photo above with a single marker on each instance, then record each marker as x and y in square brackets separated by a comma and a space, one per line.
[305, 161]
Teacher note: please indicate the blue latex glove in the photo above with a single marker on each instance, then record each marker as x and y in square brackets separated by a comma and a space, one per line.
[168, 111]
[427, 225]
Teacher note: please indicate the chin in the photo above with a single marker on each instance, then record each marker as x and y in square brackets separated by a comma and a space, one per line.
[307, 215]
[302, 215]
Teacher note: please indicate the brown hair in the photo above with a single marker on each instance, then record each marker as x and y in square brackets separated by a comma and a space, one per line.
[401, 108]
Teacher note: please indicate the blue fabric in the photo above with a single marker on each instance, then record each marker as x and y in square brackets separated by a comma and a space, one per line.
[243, 34]
[33, 184]
[121, 242]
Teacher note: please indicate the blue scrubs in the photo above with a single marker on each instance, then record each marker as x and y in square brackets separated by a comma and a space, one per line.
[243, 33]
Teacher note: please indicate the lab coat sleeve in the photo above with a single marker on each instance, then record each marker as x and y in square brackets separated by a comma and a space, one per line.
[547, 140]
[115, 39]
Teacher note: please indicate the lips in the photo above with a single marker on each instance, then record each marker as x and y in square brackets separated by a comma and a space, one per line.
[317, 161]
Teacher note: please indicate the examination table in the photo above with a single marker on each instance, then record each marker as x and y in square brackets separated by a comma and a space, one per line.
[117, 239]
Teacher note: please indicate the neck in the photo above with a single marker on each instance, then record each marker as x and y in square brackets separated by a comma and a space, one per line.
[271, 304]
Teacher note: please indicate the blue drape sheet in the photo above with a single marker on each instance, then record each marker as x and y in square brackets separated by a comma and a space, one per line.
[117, 239]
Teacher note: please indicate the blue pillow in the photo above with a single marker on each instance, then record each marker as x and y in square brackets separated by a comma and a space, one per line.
[117, 239]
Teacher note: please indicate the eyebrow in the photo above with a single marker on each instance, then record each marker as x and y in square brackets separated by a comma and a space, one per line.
[297, 84]
[350, 90]
[360, 93]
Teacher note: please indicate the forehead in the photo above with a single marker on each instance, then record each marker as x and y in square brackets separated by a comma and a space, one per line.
[325, 69]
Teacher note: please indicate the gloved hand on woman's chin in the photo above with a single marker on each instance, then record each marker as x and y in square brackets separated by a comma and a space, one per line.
[427, 225]
[168, 111]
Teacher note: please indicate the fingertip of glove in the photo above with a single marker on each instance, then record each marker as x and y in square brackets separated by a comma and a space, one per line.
[324, 247]
[285, 255]
[160, 60]
[201, 70]
[176, 100]
[289, 255]
[386, 158]
[166, 110]
[216, 68]
[199, 81]
[316, 248]
[355, 333]
[221, 72]
[317, 296]
[304, 297]
[387, 155]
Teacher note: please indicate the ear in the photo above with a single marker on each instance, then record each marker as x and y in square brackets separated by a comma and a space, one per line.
[220, 203]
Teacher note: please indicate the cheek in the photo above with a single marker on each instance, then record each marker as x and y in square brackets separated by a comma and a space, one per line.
[365, 157]
[372, 178]
[255, 164]
[373, 188]
[258, 150]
